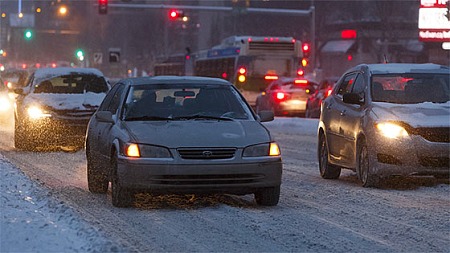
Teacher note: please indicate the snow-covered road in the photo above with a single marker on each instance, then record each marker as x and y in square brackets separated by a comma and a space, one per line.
[49, 209]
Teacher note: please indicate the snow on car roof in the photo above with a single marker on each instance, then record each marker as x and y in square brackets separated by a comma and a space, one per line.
[175, 79]
[407, 68]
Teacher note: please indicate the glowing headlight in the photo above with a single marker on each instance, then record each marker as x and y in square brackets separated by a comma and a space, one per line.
[146, 151]
[34, 112]
[391, 130]
[4, 103]
[266, 149]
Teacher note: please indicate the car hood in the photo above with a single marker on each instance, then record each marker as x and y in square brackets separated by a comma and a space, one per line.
[198, 133]
[416, 115]
[86, 101]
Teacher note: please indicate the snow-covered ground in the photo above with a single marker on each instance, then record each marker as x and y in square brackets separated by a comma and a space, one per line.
[32, 221]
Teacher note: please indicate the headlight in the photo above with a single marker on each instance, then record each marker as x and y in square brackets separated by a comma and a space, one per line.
[266, 149]
[35, 112]
[391, 130]
[146, 151]
[5, 104]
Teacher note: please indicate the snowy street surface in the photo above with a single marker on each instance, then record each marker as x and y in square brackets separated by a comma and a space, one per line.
[45, 206]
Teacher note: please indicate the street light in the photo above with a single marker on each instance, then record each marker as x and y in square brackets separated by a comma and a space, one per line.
[62, 11]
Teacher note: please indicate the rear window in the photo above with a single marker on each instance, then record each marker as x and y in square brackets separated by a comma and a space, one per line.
[72, 84]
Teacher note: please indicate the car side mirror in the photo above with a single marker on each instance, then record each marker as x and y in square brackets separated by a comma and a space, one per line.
[352, 98]
[18, 91]
[265, 116]
[104, 116]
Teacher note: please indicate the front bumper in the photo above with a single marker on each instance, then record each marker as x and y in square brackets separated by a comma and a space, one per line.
[411, 156]
[202, 177]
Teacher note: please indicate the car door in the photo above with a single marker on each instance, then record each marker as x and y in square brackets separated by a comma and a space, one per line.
[333, 107]
[101, 130]
[351, 116]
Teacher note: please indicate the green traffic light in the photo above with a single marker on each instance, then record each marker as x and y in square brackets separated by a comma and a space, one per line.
[28, 34]
[80, 54]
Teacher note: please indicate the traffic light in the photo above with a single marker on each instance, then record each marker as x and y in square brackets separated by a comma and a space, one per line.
[306, 49]
[80, 54]
[28, 34]
[102, 6]
[176, 14]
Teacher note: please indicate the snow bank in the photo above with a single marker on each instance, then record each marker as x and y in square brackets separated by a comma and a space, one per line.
[31, 221]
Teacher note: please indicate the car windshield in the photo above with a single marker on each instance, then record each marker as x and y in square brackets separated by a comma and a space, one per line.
[411, 88]
[184, 102]
[72, 84]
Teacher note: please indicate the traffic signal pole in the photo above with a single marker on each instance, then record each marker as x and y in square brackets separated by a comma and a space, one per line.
[310, 12]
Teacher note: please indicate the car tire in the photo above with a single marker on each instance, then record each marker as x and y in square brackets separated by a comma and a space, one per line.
[268, 196]
[367, 178]
[327, 170]
[121, 197]
[97, 182]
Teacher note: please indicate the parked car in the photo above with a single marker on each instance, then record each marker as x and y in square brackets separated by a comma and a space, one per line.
[315, 100]
[6, 104]
[180, 135]
[55, 106]
[387, 119]
[15, 78]
[286, 96]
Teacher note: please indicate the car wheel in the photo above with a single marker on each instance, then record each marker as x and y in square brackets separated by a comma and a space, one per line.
[97, 182]
[268, 196]
[367, 178]
[327, 170]
[121, 197]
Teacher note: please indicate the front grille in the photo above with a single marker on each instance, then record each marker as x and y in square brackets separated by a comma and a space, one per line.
[433, 134]
[207, 153]
[208, 179]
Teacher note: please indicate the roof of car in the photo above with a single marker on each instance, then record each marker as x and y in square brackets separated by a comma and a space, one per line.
[174, 80]
[44, 72]
[404, 68]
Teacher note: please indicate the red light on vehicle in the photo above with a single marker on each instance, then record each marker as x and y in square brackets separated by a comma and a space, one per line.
[38, 65]
[348, 34]
[280, 95]
[24, 66]
[328, 92]
[53, 65]
[242, 70]
[301, 81]
[270, 77]
[249, 39]
[224, 75]
[349, 57]
[266, 39]
[188, 57]
[293, 40]
[300, 72]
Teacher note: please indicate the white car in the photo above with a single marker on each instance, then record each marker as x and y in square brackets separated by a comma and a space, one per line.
[55, 106]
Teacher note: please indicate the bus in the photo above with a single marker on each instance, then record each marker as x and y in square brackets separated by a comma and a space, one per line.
[249, 62]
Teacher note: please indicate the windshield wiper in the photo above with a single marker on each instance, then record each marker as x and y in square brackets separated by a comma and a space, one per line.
[199, 116]
[147, 118]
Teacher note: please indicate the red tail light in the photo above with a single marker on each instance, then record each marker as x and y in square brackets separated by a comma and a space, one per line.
[280, 96]
[270, 77]
[301, 81]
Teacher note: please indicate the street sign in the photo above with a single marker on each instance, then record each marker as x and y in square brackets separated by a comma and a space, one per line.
[114, 55]
[98, 58]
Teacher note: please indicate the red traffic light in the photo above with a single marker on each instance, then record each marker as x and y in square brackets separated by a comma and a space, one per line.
[175, 14]
[102, 6]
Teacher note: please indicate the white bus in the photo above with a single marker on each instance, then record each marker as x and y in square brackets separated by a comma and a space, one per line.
[251, 62]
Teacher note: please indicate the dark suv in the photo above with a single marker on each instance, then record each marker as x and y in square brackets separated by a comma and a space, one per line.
[54, 108]
[387, 119]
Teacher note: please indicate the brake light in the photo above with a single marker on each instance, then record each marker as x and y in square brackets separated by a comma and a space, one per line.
[280, 95]
[301, 81]
[270, 77]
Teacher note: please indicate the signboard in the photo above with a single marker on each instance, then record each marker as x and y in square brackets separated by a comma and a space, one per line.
[98, 58]
[27, 20]
[114, 55]
[434, 20]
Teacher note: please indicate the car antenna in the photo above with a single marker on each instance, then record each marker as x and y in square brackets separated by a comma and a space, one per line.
[385, 59]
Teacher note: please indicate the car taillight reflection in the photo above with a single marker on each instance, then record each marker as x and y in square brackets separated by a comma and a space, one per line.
[328, 92]
[280, 96]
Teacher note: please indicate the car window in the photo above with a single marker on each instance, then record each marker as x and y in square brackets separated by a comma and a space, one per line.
[411, 88]
[72, 84]
[109, 97]
[347, 84]
[115, 100]
[359, 86]
[178, 101]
